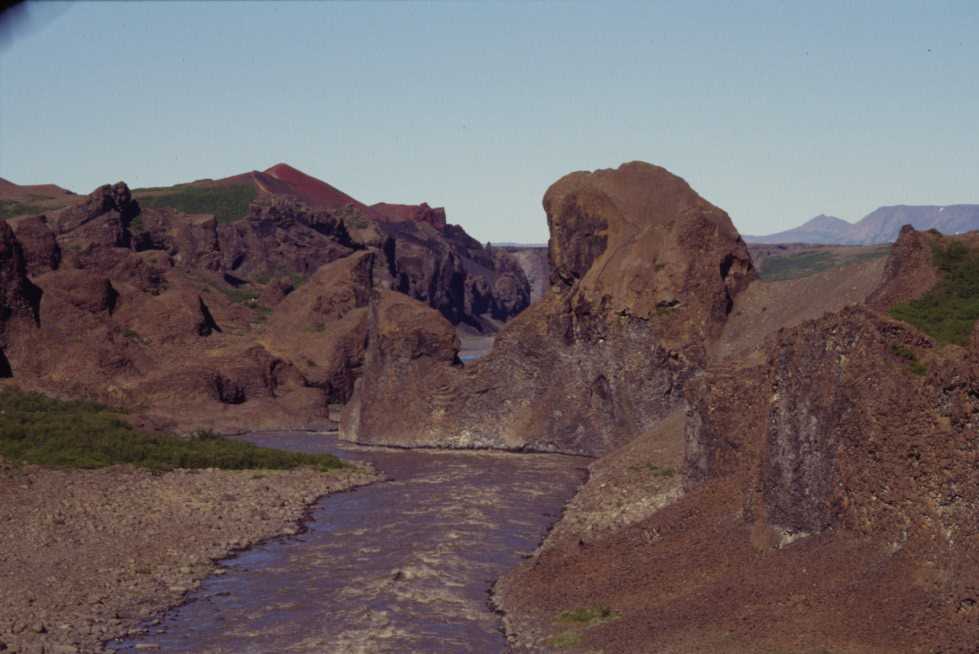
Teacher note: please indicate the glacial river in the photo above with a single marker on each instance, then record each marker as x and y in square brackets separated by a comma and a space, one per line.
[400, 566]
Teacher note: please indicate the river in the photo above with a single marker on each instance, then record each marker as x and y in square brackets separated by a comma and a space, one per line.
[400, 566]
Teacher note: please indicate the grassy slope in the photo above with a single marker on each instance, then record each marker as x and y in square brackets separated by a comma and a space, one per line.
[802, 264]
[226, 203]
[11, 208]
[37, 429]
[948, 312]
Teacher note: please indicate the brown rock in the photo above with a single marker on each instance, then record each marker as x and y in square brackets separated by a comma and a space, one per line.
[649, 272]
[18, 296]
[322, 325]
[909, 271]
[419, 213]
[82, 289]
[101, 220]
[41, 250]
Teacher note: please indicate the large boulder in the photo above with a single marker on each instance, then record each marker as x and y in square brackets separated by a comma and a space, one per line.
[101, 220]
[322, 326]
[646, 271]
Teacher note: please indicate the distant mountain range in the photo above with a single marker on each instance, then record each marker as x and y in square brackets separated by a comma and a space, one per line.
[879, 226]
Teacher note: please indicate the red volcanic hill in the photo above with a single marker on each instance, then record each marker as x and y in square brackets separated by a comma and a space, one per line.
[283, 179]
[307, 188]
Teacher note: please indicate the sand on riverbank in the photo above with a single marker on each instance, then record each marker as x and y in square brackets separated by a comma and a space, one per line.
[87, 555]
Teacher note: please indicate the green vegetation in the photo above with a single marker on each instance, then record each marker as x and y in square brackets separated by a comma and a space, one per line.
[588, 616]
[660, 472]
[240, 295]
[11, 208]
[227, 204]
[77, 434]
[663, 472]
[910, 357]
[579, 620]
[134, 336]
[564, 640]
[803, 264]
[948, 312]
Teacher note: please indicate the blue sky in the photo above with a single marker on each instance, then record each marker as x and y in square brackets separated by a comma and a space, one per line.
[775, 111]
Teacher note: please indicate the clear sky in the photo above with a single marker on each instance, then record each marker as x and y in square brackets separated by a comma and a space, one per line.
[775, 111]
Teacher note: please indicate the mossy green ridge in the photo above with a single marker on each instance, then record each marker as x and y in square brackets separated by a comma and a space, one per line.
[227, 204]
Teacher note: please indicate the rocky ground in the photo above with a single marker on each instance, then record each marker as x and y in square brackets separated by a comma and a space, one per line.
[86, 556]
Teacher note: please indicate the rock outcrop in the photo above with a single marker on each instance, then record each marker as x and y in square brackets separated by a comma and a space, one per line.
[20, 299]
[535, 266]
[419, 213]
[830, 488]
[646, 271]
[207, 322]
[454, 274]
[41, 250]
[909, 271]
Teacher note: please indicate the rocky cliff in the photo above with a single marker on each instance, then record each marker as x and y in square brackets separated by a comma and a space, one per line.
[646, 272]
[830, 488]
[197, 320]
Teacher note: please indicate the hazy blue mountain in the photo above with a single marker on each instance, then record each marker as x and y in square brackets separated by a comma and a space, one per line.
[879, 226]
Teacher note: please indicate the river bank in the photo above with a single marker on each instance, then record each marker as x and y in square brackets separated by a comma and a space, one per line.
[88, 555]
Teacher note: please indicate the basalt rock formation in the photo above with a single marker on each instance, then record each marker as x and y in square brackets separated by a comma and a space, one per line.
[909, 271]
[19, 299]
[197, 321]
[646, 272]
[830, 487]
[40, 245]
[296, 223]
[415, 213]
[453, 273]
[535, 266]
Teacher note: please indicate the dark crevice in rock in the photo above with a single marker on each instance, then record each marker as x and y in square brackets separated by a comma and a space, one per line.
[208, 325]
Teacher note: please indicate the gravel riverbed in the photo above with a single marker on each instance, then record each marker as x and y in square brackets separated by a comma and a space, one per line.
[89, 555]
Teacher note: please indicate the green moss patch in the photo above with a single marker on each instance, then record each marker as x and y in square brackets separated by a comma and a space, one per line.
[75, 434]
